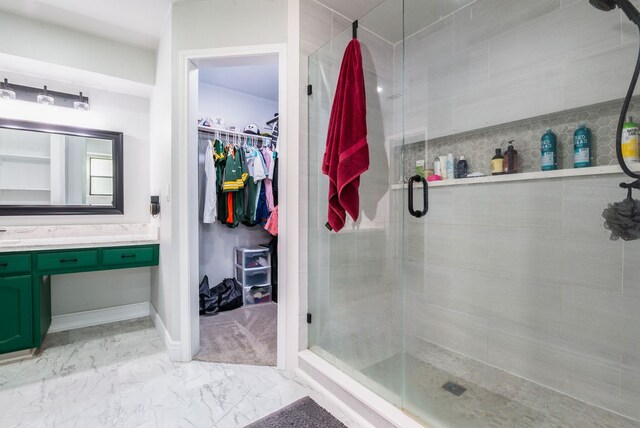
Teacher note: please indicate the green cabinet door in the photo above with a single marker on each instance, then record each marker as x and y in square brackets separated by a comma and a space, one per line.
[16, 313]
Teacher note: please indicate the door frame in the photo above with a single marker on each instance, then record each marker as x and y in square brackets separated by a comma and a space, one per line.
[188, 200]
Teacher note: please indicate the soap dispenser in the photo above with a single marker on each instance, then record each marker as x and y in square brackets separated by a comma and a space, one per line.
[497, 163]
[510, 159]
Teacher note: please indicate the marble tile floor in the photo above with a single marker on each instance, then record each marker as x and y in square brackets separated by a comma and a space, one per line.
[118, 375]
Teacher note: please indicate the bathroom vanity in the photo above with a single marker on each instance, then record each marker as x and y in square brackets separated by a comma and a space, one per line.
[28, 262]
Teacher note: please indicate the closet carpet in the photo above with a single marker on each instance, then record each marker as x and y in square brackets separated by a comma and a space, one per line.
[246, 335]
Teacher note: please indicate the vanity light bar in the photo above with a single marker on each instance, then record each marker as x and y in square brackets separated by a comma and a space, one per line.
[61, 99]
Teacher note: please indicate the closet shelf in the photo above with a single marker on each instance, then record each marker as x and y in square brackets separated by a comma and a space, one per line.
[527, 176]
[226, 132]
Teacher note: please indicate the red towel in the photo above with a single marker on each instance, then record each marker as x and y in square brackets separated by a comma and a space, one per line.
[346, 156]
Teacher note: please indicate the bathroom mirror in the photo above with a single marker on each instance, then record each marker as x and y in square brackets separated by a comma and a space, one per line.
[52, 170]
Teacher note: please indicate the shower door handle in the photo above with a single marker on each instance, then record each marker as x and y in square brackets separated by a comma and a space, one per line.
[425, 193]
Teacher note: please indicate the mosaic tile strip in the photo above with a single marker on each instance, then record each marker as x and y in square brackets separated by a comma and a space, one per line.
[479, 146]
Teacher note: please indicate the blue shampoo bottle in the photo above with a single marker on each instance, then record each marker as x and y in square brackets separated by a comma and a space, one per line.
[549, 151]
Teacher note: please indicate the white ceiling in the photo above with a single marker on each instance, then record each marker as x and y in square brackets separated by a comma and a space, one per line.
[384, 17]
[135, 22]
[257, 75]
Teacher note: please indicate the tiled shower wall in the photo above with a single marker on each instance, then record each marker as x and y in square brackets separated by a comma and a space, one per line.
[498, 61]
[522, 275]
[478, 147]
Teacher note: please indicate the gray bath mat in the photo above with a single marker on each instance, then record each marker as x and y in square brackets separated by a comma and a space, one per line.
[304, 413]
[245, 335]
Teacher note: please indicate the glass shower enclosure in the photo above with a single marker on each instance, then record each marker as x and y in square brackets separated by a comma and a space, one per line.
[506, 304]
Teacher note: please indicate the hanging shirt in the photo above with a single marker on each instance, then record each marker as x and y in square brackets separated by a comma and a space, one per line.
[234, 173]
[259, 167]
[219, 157]
[272, 166]
[210, 195]
[267, 181]
[272, 223]
[262, 213]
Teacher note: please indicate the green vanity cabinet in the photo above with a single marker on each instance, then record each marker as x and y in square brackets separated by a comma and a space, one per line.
[25, 285]
[16, 313]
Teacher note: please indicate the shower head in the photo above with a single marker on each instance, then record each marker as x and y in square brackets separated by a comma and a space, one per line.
[606, 5]
[626, 6]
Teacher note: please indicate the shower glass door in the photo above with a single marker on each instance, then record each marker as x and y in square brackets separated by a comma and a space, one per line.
[506, 304]
[356, 275]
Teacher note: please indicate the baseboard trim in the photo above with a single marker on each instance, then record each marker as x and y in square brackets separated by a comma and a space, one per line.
[173, 347]
[98, 316]
[14, 357]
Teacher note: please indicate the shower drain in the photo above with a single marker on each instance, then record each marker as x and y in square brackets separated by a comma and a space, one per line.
[454, 388]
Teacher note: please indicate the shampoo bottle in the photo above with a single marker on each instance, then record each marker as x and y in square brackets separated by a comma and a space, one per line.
[436, 167]
[462, 168]
[549, 151]
[497, 163]
[420, 168]
[630, 141]
[582, 146]
[450, 167]
[443, 167]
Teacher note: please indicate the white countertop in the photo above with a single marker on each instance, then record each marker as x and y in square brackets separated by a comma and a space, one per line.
[33, 238]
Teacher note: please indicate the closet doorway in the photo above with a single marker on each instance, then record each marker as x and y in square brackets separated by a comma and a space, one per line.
[234, 137]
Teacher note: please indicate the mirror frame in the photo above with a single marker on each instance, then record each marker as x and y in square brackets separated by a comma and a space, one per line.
[116, 139]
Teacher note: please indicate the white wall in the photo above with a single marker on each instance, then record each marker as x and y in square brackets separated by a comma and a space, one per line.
[110, 111]
[25, 37]
[163, 290]
[196, 25]
[236, 108]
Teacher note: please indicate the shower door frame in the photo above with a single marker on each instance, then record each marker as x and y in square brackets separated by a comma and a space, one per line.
[362, 404]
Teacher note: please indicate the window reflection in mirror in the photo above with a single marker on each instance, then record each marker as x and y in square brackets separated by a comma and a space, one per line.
[38, 168]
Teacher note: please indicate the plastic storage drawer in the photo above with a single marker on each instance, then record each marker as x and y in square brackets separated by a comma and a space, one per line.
[255, 295]
[253, 257]
[253, 277]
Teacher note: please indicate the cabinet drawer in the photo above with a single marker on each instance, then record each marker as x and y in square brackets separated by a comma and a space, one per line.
[63, 260]
[16, 263]
[127, 256]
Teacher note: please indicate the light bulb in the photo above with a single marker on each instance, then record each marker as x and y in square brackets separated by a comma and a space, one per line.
[81, 104]
[45, 98]
[6, 93]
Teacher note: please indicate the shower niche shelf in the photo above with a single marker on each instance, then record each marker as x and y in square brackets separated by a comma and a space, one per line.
[527, 176]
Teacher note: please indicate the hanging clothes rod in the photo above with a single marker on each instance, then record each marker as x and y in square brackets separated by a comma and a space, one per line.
[214, 131]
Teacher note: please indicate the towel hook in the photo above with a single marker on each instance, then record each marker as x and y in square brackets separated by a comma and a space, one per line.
[354, 29]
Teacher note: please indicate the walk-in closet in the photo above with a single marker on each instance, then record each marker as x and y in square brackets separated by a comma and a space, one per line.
[238, 151]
